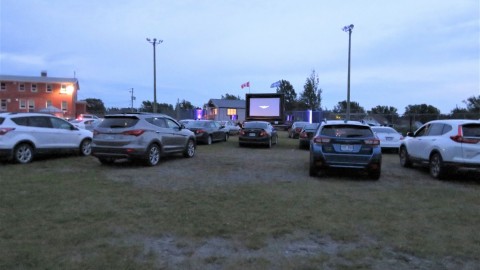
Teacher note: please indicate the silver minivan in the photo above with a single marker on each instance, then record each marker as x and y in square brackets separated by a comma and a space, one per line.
[141, 136]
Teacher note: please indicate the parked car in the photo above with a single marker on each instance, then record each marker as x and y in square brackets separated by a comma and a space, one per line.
[87, 123]
[25, 135]
[186, 121]
[208, 131]
[345, 144]
[141, 136]
[443, 145]
[390, 139]
[307, 133]
[258, 133]
[87, 116]
[295, 129]
[230, 127]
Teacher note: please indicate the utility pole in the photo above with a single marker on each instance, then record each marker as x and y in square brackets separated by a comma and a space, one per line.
[132, 98]
[154, 42]
[348, 29]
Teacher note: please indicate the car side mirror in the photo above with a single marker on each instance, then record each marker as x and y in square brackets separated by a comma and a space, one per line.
[410, 134]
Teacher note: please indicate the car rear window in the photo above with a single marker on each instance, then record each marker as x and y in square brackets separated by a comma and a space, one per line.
[118, 122]
[254, 125]
[346, 131]
[384, 130]
[471, 130]
[199, 124]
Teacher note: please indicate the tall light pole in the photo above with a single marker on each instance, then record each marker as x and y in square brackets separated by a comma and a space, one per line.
[348, 29]
[154, 42]
[132, 98]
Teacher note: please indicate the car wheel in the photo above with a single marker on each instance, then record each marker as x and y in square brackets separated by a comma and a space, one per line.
[226, 136]
[209, 140]
[153, 155]
[106, 161]
[241, 145]
[269, 145]
[189, 149]
[276, 139]
[86, 147]
[437, 170]
[404, 159]
[23, 153]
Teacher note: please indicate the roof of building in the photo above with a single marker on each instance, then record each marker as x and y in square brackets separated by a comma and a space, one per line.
[37, 79]
[227, 103]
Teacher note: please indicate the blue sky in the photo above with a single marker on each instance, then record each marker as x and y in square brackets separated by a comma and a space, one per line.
[403, 52]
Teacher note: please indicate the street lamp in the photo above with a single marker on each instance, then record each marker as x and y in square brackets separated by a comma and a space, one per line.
[348, 29]
[154, 42]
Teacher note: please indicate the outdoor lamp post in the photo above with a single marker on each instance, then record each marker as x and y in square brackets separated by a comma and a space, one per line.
[154, 42]
[348, 29]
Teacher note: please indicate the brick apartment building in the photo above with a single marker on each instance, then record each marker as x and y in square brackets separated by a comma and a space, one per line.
[57, 96]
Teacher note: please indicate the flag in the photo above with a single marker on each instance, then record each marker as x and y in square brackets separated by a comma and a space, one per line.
[276, 84]
[247, 84]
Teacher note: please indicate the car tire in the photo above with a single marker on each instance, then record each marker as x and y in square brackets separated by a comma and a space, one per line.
[189, 149]
[226, 136]
[241, 145]
[23, 153]
[152, 156]
[312, 170]
[86, 147]
[209, 140]
[437, 169]
[269, 145]
[276, 139]
[404, 159]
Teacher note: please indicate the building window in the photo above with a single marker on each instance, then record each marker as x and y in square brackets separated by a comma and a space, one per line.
[31, 105]
[21, 87]
[63, 89]
[64, 106]
[33, 88]
[49, 88]
[215, 111]
[3, 86]
[231, 111]
[48, 103]
[22, 104]
[3, 105]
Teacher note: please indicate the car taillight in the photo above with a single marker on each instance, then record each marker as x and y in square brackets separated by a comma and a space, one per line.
[263, 133]
[321, 140]
[242, 132]
[4, 131]
[372, 142]
[198, 131]
[136, 132]
[460, 139]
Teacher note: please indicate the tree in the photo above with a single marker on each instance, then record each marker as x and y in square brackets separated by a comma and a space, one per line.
[311, 95]
[231, 97]
[185, 105]
[422, 112]
[95, 106]
[289, 94]
[390, 113]
[355, 107]
[473, 104]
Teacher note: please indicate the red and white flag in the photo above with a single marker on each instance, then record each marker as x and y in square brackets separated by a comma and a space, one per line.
[247, 84]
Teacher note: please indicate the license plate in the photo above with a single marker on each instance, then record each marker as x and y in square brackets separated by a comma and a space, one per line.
[389, 138]
[346, 147]
[251, 134]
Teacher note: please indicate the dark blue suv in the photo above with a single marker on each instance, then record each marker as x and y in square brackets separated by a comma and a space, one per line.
[345, 144]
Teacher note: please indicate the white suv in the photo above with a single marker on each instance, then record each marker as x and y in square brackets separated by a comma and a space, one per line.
[443, 145]
[23, 135]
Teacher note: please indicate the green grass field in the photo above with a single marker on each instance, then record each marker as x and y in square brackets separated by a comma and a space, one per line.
[73, 213]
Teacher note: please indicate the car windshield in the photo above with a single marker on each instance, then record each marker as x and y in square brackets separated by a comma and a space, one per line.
[471, 130]
[119, 122]
[254, 125]
[346, 131]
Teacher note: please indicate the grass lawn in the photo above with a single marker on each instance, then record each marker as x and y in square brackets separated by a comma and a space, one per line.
[73, 213]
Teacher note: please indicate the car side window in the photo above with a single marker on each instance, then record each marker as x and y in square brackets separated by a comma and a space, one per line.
[435, 129]
[21, 121]
[159, 122]
[172, 124]
[422, 131]
[59, 123]
[39, 121]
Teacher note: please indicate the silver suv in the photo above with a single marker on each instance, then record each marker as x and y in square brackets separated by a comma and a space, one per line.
[24, 135]
[443, 145]
[141, 136]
